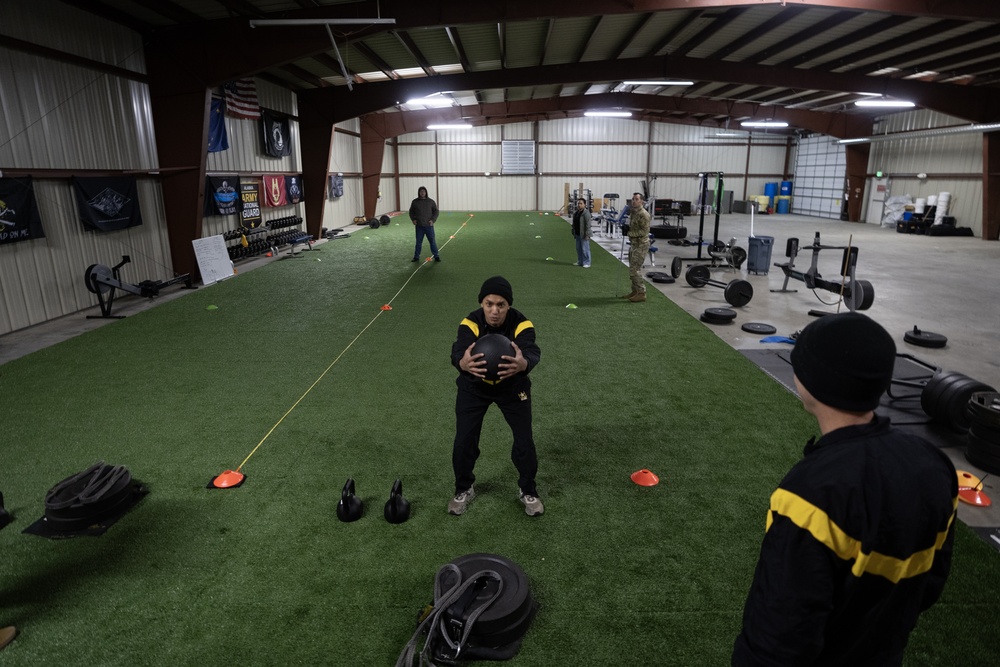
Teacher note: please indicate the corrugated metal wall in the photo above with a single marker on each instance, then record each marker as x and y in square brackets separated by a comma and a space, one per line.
[954, 163]
[62, 116]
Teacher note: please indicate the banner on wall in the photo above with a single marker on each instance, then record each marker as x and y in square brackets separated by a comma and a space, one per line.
[293, 188]
[221, 197]
[276, 137]
[274, 190]
[19, 219]
[250, 203]
[336, 186]
[218, 138]
[107, 204]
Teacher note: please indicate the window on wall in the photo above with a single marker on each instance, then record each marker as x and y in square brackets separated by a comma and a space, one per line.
[517, 157]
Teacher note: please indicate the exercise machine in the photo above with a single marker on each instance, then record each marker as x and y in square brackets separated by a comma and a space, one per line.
[103, 282]
[719, 253]
[856, 294]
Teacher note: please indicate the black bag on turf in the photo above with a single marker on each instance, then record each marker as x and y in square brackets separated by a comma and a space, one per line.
[88, 497]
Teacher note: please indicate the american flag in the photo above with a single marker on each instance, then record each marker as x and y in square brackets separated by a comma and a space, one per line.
[241, 99]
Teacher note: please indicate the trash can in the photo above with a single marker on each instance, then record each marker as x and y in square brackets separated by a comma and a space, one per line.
[759, 254]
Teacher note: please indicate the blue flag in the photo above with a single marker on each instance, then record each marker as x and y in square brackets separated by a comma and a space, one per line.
[218, 139]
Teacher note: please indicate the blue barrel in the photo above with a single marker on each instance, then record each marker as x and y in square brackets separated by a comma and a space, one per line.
[771, 190]
[786, 188]
[784, 204]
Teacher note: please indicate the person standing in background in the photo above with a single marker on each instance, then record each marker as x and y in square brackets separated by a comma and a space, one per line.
[638, 236]
[582, 233]
[424, 213]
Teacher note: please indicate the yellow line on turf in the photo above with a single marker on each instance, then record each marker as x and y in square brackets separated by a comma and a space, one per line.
[344, 351]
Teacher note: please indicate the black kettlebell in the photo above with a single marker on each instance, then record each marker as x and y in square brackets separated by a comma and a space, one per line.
[350, 507]
[397, 508]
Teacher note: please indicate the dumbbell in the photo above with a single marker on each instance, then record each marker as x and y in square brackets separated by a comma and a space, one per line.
[737, 292]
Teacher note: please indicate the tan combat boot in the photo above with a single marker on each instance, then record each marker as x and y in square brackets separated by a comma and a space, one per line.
[638, 297]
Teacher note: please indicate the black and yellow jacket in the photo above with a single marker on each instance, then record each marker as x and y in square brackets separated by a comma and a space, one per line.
[516, 327]
[858, 544]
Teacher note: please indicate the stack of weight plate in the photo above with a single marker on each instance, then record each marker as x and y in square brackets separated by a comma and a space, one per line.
[984, 431]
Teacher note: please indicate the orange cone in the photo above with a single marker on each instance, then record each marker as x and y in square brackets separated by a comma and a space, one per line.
[230, 479]
[645, 478]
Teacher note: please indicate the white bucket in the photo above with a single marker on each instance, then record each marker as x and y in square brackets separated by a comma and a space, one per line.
[920, 205]
[942, 207]
[932, 200]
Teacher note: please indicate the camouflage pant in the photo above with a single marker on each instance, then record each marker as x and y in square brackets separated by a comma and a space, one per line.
[636, 258]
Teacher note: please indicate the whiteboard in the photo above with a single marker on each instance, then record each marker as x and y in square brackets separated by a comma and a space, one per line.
[213, 259]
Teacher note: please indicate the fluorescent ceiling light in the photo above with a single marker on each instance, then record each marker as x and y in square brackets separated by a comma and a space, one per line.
[669, 82]
[764, 123]
[433, 101]
[609, 114]
[731, 134]
[899, 104]
[449, 126]
[915, 134]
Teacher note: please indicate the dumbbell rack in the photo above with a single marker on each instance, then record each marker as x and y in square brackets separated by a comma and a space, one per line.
[273, 234]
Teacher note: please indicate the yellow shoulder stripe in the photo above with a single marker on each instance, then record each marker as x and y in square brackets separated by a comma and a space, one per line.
[810, 518]
[522, 326]
[472, 325]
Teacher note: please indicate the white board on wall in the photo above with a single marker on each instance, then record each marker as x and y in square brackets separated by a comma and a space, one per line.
[213, 259]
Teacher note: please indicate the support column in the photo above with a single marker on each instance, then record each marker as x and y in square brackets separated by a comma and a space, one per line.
[991, 186]
[373, 136]
[316, 137]
[857, 175]
[180, 107]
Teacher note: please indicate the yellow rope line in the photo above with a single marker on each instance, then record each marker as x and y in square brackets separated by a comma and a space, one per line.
[343, 352]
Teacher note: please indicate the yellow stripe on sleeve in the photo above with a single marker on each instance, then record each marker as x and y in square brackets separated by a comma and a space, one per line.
[472, 325]
[522, 326]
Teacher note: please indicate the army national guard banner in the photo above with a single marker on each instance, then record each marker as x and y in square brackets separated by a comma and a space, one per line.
[250, 203]
[19, 219]
[107, 204]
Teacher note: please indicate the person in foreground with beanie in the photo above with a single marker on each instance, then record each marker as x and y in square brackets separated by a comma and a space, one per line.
[511, 392]
[859, 533]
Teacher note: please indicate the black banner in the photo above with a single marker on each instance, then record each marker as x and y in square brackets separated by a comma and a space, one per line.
[19, 219]
[107, 204]
[221, 197]
[293, 189]
[250, 203]
[336, 186]
[276, 137]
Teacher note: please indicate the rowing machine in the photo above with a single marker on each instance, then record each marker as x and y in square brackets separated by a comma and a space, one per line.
[102, 281]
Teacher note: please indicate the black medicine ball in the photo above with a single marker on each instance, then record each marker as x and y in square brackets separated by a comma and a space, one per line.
[492, 347]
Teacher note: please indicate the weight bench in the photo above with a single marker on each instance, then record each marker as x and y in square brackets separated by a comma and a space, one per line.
[301, 239]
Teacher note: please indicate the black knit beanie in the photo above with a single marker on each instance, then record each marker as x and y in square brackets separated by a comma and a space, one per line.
[497, 285]
[845, 361]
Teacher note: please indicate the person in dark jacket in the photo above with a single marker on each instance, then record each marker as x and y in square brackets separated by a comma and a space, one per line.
[423, 214]
[582, 233]
[511, 392]
[859, 533]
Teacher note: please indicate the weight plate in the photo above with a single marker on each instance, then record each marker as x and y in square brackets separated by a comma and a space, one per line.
[867, 294]
[739, 256]
[660, 277]
[697, 275]
[506, 619]
[94, 276]
[956, 402]
[373, 223]
[925, 338]
[383, 220]
[676, 267]
[726, 314]
[984, 432]
[738, 292]
[984, 460]
[759, 328]
[708, 319]
[985, 408]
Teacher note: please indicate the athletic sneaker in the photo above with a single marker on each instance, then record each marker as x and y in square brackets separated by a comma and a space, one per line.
[576, 263]
[437, 259]
[460, 502]
[532, 504]
[586, 266]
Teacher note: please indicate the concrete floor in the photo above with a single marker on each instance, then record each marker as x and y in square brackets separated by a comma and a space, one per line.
[945, 285]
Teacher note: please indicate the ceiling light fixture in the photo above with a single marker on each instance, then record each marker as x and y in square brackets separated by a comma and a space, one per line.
[668, 82]
[431, 101]
[933, 132]
[608, 114]
[764, 123]
[885, 104]
[449, 126]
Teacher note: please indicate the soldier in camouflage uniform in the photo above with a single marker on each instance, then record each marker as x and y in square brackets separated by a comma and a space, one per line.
[638, 235]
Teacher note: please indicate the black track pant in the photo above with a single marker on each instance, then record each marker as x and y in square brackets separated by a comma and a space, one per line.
[470, 409]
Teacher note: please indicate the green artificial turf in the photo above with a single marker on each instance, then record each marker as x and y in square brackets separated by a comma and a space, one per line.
[266, 575]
